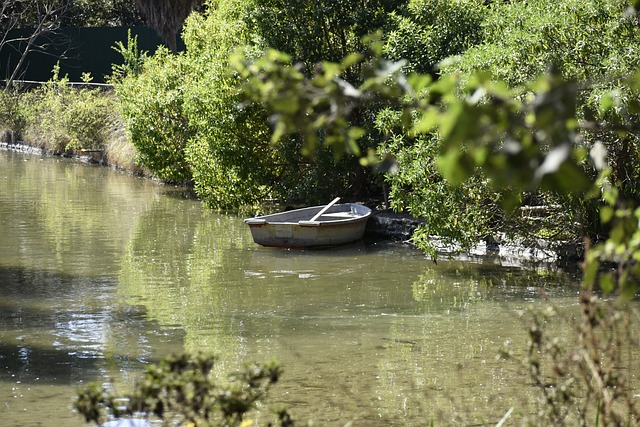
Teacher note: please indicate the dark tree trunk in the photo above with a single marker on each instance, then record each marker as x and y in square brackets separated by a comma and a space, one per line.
[166, 17]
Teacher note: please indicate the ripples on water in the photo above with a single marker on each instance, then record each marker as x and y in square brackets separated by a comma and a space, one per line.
[102, 273]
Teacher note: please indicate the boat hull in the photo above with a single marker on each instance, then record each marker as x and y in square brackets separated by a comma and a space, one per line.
[340, 224]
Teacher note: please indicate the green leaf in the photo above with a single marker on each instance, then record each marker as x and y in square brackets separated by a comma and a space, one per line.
[279, 131]
[606, 102]
[286, 105]
[350, 60]
[419, 82]
[606, 213]
[591, 270]
[454, 166]
[628, 290]
[428, 121]
[607, 283]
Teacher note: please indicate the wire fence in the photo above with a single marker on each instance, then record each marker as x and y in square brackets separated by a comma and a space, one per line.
[31, 83]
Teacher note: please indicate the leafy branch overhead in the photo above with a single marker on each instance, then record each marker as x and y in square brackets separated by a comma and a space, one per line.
[525, 138]
[531, 137]
[309, 105]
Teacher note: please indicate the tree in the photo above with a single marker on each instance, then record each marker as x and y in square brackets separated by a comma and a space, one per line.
[167, 17]
[429, 31]
[43, 17]
[314, 31]
[105, 13]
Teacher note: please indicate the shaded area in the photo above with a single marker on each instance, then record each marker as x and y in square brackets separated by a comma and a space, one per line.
[79, 50]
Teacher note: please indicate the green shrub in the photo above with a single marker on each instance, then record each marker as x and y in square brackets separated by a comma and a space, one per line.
[12, 118]
[151, 104]
[232, 161]
[61, 118]
[432, 30]
[459, 215]
[181, 390]
[524, 38]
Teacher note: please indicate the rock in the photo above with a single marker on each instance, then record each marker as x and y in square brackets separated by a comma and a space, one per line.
[391, 225]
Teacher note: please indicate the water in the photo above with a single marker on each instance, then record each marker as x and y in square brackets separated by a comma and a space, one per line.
[102, 273]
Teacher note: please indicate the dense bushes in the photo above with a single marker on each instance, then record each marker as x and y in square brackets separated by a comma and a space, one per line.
[184, 114]
[429, 31]
[61, 118]
[152, 104]
[524, 40]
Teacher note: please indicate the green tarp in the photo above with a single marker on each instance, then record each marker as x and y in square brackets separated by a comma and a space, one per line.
[78, 50]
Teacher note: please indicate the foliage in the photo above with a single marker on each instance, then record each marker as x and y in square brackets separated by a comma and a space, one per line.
[133, 60]
[329, 100]
[231, 160]
[20, 14]
[185, 116]
[523, 38]
[78, 13]
[60, 118]
[429, 31]
[524, 137]
[152, 103]
[612, 265]
[104, 13]
[459, 216]
[580, 372]
[312, 32]
[44, 24]
[12, 118]
[182, 390]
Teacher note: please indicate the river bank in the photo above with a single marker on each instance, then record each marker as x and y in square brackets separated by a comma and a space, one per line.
[386, 225]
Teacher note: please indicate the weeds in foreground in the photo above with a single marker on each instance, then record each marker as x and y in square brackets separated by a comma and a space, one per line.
[586, 379]
[181, 390]
[68, 119]
[61, 118]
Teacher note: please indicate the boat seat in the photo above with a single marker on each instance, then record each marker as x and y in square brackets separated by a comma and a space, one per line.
[339, 215]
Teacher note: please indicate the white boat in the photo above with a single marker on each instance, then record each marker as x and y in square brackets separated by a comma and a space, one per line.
[333, 224]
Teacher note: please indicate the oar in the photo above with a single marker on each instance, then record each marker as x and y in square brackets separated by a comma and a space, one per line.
[323, 210]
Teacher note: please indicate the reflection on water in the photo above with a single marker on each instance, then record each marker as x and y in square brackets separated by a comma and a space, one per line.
[101, 274]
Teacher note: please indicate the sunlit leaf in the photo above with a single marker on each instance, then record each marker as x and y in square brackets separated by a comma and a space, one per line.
[286, 105]
[428, 121]
[606, 102]
[351, 59]
[279, 131]
[606, 213]
[591, 270]
[454, 166]
[607, 283]
[419, 82]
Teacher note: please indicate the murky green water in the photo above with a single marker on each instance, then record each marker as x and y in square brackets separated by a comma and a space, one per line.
[102, 273]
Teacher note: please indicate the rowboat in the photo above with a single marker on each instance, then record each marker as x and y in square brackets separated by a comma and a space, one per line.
[333, 224]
